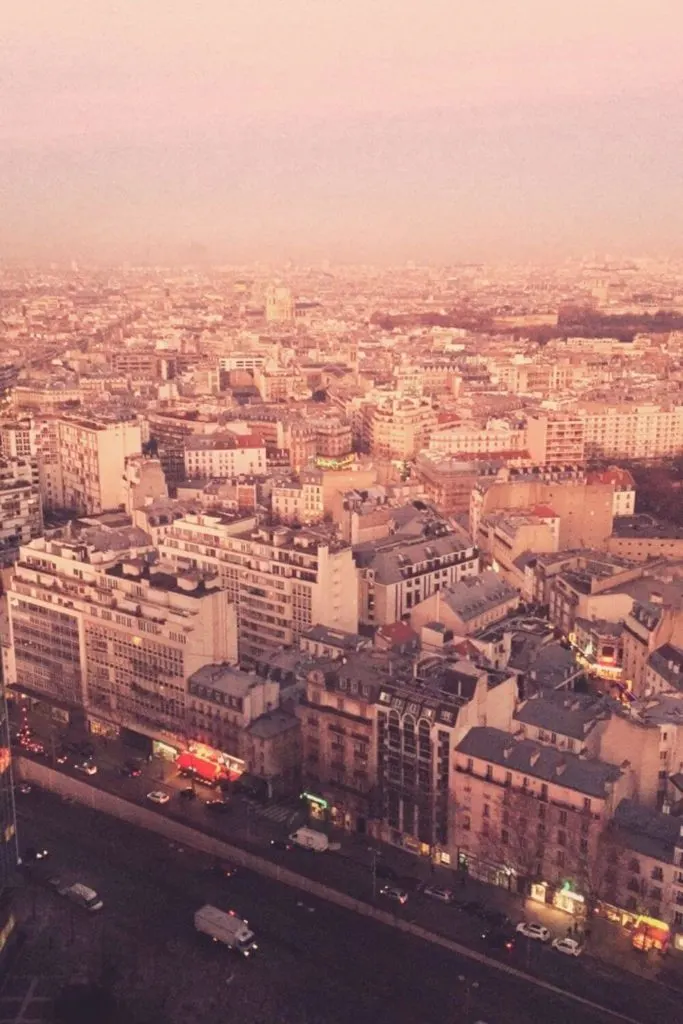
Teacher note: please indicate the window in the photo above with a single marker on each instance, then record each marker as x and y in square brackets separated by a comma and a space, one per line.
[559, 860]
[544, 791]
[487, 811]
[470, 765]
[466, 824]
[657, 875]
[504, 837]
[586, 804]
[561, 838]
[563, 818]
[508, 778]
[656, 893]
[489, 771]
[485, 828]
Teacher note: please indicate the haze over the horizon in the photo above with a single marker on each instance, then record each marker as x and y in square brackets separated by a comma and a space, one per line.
[368, 130]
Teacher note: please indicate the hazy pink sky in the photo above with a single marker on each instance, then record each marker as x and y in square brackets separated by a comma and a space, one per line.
[358, 129]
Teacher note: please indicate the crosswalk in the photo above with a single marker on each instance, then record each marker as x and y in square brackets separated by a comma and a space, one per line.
[275, 812]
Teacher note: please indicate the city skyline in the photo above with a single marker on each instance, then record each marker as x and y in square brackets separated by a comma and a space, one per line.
[369, 133]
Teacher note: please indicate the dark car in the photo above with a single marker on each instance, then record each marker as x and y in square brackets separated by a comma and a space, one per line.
[188, 793]
[32, 854]
[500, 939]
[218, 806]
[281, 844]
[224, 869]
[131, 770]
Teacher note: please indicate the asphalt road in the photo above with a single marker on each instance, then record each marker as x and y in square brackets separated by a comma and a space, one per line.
[317, 964]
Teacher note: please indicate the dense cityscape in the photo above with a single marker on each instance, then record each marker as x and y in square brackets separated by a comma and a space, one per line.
[353, 563]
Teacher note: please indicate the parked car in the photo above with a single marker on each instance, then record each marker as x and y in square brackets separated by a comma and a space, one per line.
[570, 947]
[224, 869]
[281, 844]
[87, 767]
[437, 892]
[24, 788]
[158, 797]
[533, 931]
[32, 854]
[218, 806]
[502, 939]
[131, 770]
[61, 757]
[395, 894]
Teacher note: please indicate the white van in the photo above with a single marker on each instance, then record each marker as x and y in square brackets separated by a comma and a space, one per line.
[82, 895]
[310, 839]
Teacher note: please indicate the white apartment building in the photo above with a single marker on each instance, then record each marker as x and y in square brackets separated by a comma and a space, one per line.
[629, 431]
[92, 456]
[49, 463]
[299, 501]
[97, 629]
[397, 428]
[224, 456]
[283, 581]
[556, 439]
[248, 361]
[495, 436]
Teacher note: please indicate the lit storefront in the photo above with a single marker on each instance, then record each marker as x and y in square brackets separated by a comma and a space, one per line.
[598, 648]
[105, 729]
[164, 750]
[565, 898]
[649, 933]
[208, 763]
[318, 806]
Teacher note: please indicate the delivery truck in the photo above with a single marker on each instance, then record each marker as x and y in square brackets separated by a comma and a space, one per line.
[227, 927]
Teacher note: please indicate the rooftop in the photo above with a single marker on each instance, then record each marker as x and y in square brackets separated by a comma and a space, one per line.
[650, 833]
[587, 776]
[572, 715]
[476, 594]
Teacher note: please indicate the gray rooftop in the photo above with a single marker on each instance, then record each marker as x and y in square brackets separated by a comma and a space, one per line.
[648, 832]
[474, 595]
[567, 714]
[584, 775]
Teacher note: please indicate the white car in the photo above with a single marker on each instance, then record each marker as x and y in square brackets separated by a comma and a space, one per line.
[436, 892]
[570, 947]
[157, 797]
[533, 931]
[87, 767]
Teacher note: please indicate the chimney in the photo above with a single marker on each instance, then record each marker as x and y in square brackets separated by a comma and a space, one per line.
[507, 751]
[656, 597]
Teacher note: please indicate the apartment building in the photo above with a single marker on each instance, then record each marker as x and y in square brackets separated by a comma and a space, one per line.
[629, 431]
[101, 631]
[170, 431]
[641, 877]
[397, 574]
[92, 456]
[223, 701]
[339, 766]
[531, 816]
[624, 498]
[299, 500]
[468, 605]
[333, 436]
[505, 536]
[556, 439]
[421, 718]
[283, 581]
[397, 428]
[224, 456]
[584, 585]
[649, 625]
[21, 517]
[494, 437]
[448, 480]
[585, 510]
[642, 539]
[50, 483]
